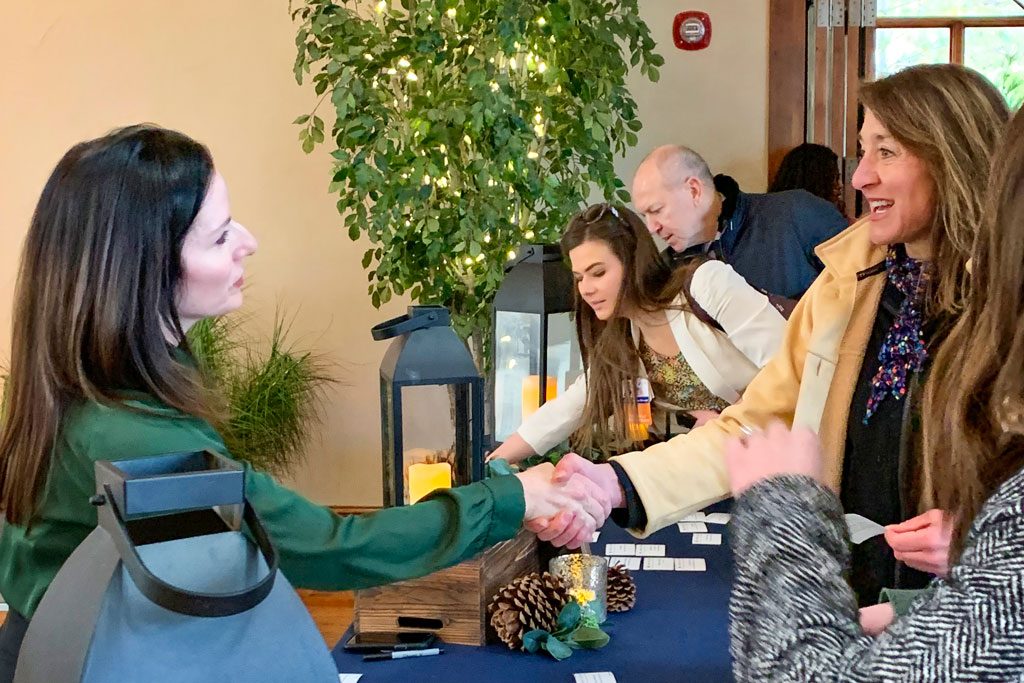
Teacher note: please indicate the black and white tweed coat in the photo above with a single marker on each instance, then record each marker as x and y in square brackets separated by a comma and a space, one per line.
[794, 617]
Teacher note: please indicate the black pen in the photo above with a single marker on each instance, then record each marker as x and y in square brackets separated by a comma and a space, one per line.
[402, 654]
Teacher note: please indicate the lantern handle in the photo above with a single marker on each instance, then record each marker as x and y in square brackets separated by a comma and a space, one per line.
[418, 317]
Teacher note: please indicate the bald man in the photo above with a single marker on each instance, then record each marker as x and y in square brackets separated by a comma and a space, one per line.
[769, 239]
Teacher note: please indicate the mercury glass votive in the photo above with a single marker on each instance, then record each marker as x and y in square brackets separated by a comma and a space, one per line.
[586, 579]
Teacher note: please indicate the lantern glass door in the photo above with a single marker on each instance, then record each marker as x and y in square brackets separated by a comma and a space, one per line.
[521, 357]
[428, 440]
[565, 363]
[516, 368]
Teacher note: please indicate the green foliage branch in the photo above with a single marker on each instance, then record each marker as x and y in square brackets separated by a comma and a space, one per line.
[465, 128]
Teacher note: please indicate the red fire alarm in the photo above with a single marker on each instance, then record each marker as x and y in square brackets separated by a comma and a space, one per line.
[691, 30]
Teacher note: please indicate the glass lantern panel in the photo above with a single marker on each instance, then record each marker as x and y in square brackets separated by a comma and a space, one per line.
[516, 360]
[428, 440]
[565, 363]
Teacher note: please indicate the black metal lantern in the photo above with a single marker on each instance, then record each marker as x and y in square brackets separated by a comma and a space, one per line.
[431, 406]
[534, 336]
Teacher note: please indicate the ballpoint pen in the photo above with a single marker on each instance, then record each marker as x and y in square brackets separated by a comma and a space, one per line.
[402, 654]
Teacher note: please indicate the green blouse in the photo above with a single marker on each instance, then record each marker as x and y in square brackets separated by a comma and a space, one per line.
[318, 549]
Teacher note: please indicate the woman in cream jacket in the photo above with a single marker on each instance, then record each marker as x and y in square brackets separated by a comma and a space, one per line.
[697, 335]
[860, 339]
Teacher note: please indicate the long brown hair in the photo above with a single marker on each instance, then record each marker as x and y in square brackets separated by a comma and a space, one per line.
[609, 356]
[951, 117]
[95, 297]
[974, 399]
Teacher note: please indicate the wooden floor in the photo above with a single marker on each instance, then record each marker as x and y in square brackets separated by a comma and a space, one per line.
[332, 612]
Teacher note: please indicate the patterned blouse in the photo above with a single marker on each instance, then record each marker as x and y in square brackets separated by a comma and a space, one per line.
[674, 381]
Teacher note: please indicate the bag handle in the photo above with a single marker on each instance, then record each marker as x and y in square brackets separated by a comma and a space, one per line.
[181, 600]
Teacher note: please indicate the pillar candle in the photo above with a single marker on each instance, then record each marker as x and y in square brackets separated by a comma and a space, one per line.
[531, 393]
[427, 477]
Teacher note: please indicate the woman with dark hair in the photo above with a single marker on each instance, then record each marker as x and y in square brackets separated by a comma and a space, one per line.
[814, 168]
[131, 243]
[792, 614]
[697, 335]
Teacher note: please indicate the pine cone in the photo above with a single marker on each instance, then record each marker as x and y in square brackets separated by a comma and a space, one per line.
[621, 589]
[530, 602]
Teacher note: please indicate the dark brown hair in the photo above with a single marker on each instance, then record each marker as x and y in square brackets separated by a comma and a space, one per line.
[814, 168]
[609, 356]
[974, 399]
[952, 118]
[95, 298]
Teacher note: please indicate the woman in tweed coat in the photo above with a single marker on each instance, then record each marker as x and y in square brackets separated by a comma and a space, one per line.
[793, 616]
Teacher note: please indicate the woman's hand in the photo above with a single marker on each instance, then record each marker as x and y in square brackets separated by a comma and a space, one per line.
[876, 618]
[769, 453]
[577, 505]
[922, 542]
[513, 449]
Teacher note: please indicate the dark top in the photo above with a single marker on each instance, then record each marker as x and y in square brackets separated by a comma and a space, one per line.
[872, 484]
[769, 239]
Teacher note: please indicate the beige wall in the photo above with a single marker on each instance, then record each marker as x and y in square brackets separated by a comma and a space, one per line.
[220, 70]
[714, 100]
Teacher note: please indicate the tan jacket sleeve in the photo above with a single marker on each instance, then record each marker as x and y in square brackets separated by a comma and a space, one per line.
[688, 472]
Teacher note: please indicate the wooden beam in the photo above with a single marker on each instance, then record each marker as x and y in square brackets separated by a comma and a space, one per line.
[956, 43]
[787, 78]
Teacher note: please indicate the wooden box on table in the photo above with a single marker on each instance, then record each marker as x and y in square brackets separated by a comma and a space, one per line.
[452, 602]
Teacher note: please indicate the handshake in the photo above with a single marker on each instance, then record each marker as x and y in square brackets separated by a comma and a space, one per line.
[567, 503]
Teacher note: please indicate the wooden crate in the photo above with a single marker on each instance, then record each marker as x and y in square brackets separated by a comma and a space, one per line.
[452, 602]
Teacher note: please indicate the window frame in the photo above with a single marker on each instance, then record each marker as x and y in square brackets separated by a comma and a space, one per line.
[957, 28]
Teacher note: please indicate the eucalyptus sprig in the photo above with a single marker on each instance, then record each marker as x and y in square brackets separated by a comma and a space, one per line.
[465, 128]
[577, 628]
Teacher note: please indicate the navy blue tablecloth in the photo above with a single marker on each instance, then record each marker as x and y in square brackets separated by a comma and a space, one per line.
[678, 630]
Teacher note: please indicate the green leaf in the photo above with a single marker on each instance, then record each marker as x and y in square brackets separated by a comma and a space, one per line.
[353, 234]
[590, 638]
[534, 640]
[557, 649]
[302, 119]
[569, 617]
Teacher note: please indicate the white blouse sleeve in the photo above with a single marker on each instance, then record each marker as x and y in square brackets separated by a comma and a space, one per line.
[750, 321]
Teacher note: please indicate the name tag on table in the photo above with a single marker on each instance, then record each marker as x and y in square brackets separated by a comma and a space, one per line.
[707, 539]
[599, 677]
[650, 550]
[718, 518]
[620, 549]
[691, 564]
[692, 527]
[349, 678]
[631, 563]
[694, 517]
[597, 535]
[662, 564]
